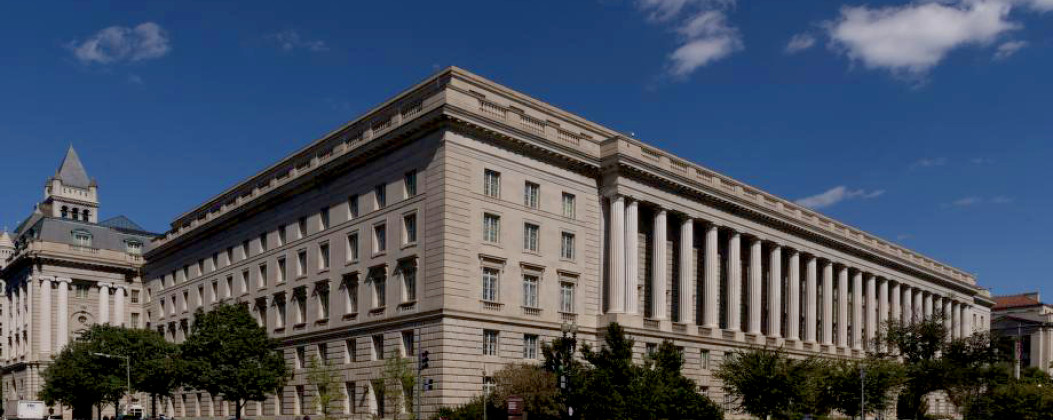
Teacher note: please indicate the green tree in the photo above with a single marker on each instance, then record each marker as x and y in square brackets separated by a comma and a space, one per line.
[661, 391]
[883, 378]
[228, 354]
[79, 379]
[537, 387]
[399, 381]
[761, 381]
[326, 381]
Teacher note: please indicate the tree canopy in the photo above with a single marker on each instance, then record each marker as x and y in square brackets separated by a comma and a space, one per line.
[228, 354]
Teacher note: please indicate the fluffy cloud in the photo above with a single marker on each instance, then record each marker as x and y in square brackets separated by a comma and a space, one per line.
[703, 28]
[123, 44]
[291, 40]
[836, 195]
[800, 42]
[912, 39]
[1009, 48]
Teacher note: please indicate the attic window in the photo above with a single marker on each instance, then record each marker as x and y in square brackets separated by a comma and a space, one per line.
[134, 247]
[82, 238]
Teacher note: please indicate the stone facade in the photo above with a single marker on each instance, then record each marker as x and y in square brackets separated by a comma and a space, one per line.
[65, 272]
[1028, 321]
[476, 222]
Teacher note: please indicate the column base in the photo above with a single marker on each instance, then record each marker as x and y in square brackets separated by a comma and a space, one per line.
[755, 338]
[732, 335]
[709, 331]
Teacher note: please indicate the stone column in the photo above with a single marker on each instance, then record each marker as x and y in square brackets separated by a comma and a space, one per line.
[45, 316]
[967, 320]
[632, 257]
[62, 313]
[947, 319]
[919, 303]
[811, 309]
[897, 307]
[882, 306]
[5, 350]
[658, 267]
[734, 282]
[104, 303]
[756, 278]
[687, 271]
[793, 313]
[908, 305]
[928, 305]
[775, 292]
[871, 309]
[857, 311]
[842, 307]
[118, 305]
[712, 295]
[828, 304]
[956, 331]
[616, 275]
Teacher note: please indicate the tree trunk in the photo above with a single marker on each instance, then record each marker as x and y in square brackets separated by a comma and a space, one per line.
[153, 405]
[237, 408]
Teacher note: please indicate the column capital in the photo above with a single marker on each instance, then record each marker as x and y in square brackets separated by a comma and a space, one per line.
[63, 280]
[46, 278]
[103, 285]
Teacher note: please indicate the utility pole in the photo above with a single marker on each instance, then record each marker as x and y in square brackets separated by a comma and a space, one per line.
[420, 368]
[862, 392]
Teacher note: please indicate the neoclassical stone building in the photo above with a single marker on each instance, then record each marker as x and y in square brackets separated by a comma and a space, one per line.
[475, 221]
[65, 272]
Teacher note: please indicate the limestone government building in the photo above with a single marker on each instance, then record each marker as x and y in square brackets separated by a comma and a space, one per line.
[473, 221]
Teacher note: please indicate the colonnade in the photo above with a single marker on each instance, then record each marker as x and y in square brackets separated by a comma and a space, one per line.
[777, 290]
[50, 330]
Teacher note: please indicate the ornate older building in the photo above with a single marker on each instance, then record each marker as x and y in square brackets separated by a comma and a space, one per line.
[475, 222]
[1029, 322]
[65, 272]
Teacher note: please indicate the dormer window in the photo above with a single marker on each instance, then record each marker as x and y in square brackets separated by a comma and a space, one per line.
[133, 247]
[82, 238]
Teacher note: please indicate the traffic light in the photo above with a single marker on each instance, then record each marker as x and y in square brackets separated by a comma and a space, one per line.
[423, 360]
[429, 384]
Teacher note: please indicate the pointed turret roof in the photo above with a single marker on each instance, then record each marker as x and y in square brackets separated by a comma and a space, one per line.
[5, 240]
[71, 172]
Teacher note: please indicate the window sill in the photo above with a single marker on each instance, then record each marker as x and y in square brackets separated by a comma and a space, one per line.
[350, 316]
[279, 329]
[301, 276]
[379, 254]
[322, 321]
[351, 262]
[377, 310]
[532, 252]
[409, 303]
[323, 270]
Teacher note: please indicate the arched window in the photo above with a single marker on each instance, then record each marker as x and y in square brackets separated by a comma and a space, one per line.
[82, 237]
[65, 212]
[85, 214]
[76, 213]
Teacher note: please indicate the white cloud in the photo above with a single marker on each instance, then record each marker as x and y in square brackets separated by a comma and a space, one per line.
[981, 161]
[966, 202]
[928, 162]
[1009, 48]
[836, 195]
[1039, 5]
[800, 42]
[291, 40]
[705, 34]
[135, 79]
[976, 200]
[119, 43]
[911, 39]
[1002, 200]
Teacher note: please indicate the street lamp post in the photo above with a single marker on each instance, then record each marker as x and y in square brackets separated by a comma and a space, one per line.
[127, 372]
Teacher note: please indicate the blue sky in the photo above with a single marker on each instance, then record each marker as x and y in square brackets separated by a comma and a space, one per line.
[927, 123]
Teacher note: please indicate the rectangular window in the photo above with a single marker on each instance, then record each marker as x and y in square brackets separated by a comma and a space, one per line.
[379, 289]
[566, 297]
[410, 182]
[215, 261]
[380, 238]
[352, 247]
[323, 256]
[280, 321]
[301, 308]
[301, 356]
[301, 263]
[281, 235]
[349, 398]
[350, 293]
[531, 237]
[490, 343]
[529, 346]
[135, 320]
[491, 278]
[230, 286]
[492, 183]
[531, 195]
[409, 228]
[569, 207]
[263, 242]
[380, 196]
[566, 246]
[135, 296]
[323, 218]
[352, 207]
[301, 228]
[704, 359]
[263, 275]
[350, 351]
[199, 297]
[378, 347]
[407, 343]
[244, 281]
[491, 228]
[300, 400]
[215, 291]
[245, 249]
[281, 270]
[200, 267]
[323, 353]
[323, 301]
[650, 348]
[230, 255]
[530, 290]
[409, 282]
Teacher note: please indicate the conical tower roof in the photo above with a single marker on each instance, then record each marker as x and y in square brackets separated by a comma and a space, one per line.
[5, 240]
[71, 172]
